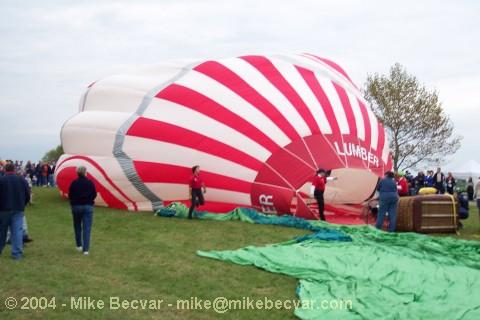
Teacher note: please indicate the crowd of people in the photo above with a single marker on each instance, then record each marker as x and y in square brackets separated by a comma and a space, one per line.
[410, 184]
[16, 181]
[395, 185]
[38, 174]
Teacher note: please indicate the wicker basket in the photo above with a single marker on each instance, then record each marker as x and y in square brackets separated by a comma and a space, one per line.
[405, 214]
[427, 214]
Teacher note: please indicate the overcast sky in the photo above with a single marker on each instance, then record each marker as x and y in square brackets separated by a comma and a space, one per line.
[51, 50]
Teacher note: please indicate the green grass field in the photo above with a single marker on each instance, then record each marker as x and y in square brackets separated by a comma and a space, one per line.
[140, 256]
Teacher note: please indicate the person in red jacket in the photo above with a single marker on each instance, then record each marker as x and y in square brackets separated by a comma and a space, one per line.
[318, 189]
[196, 194]
[402, 184]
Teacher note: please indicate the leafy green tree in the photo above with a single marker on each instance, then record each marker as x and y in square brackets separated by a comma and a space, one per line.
[53, 155]
[419, 131]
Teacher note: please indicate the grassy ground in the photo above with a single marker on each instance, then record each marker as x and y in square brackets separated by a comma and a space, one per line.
[471, 230]
[139, 256]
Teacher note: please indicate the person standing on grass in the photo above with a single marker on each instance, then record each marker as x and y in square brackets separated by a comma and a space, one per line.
[470, 189]
[82, 194]
[402, 184]
[429, 179]
[318, 189]
[45, 171]
[196, 187]
[419, 181]
[439, 181]
[450, 181]
[388, 201]
[14, 196]
[476, 196]
[38, 173]
[51, 178]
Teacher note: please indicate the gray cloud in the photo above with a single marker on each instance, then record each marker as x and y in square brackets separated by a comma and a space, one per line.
[51, 50]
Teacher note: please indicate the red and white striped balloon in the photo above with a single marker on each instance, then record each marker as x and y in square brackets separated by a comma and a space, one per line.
[258, 126]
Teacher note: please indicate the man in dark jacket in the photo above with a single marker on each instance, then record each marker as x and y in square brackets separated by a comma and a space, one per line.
[82, 194]
[14, 195]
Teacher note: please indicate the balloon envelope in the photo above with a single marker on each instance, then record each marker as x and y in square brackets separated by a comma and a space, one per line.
[258, 127]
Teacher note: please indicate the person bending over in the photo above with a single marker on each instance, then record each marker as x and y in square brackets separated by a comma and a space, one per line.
[463, 207]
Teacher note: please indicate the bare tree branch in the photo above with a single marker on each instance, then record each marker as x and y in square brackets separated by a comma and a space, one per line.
[419, 130]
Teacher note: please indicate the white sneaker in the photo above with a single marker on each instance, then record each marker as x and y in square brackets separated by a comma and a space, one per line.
[79, 249]
[85, 253]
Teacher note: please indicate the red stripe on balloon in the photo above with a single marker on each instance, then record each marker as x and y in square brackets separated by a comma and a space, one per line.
[332, 65]
[162, 131]
[231, 80]
[68, 174]
[342, 94]
[104, 174]
[322, 98]
[266, 67]
[196, 101]
[107, 196]
[152, 172]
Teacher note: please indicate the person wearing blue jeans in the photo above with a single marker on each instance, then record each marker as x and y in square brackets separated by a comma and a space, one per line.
[388, 201]
[82, 225]
[14, 196]
[82, 194]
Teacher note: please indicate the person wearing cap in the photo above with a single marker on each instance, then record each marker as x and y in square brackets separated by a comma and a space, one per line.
[318, 189]
[82, 194]
[388, 201]
[14, 196]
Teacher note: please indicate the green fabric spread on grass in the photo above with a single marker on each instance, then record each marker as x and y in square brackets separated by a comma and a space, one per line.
[377, 275]
[322, 232]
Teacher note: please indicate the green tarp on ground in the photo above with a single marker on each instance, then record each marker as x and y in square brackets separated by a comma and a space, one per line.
[179, 210]
[376, 275]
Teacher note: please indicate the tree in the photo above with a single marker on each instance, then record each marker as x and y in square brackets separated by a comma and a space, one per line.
[53, 155]
[419, 130]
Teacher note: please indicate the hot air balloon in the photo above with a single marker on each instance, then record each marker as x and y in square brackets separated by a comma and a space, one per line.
[259, 127]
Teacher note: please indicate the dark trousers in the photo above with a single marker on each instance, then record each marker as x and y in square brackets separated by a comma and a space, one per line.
[197, 200]
[5, 219]
[14, 220]
[321, 203]
[440, 187]
[82, 225]
[470, 195]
